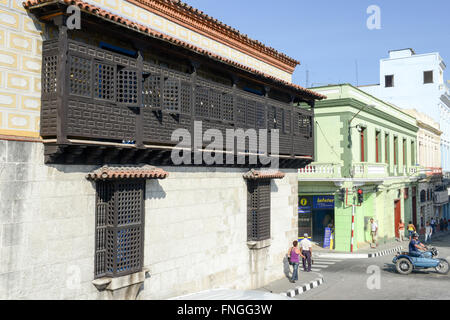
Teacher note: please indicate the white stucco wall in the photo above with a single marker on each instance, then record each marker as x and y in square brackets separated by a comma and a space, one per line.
[410, 92]
[195, 229]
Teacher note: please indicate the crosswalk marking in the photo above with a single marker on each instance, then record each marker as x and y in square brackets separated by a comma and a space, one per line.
[322, 263]
[325, 259]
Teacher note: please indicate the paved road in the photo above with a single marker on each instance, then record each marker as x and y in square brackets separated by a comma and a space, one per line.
[355, 279]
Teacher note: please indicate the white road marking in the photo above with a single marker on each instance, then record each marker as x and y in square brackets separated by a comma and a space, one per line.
[323, 262]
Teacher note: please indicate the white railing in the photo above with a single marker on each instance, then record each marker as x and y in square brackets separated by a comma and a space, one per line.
[376, 169]
[321, 169]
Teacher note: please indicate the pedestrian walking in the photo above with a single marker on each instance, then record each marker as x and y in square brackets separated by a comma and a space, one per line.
[433, 224]
[373, 232]
[411, 230]
[306, 251]
[293, 255]
[401, 231]
[428, 232]
[446, 225]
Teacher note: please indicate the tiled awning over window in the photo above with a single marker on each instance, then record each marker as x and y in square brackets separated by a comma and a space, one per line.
[127, 172]
[263, 174]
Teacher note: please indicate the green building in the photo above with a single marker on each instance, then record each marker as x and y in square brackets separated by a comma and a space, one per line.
[363, 145]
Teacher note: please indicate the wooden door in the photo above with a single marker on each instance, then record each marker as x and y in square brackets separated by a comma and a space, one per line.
[397, 216]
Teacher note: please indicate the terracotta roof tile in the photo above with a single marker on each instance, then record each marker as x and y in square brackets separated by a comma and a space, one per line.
[156, 34]
[127, 172]
[263, 174]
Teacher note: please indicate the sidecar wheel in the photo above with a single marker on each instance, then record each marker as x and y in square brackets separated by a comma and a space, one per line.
[442, 267]
[404, 266]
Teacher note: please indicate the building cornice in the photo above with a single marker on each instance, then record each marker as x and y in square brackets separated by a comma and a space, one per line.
[428, 127]
[197, 21]
[354, 103]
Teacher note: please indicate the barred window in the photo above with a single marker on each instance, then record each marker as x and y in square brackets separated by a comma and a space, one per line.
[258, 210]
[119, 227]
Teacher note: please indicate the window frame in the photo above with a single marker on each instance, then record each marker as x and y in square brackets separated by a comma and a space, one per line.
[113, 228]
[425, 73]
[258, 209]
[391, 77]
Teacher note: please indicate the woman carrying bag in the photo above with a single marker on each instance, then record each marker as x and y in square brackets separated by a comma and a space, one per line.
[293, 255]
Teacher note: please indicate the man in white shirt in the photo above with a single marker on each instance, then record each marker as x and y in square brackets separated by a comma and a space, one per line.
[306, 251]
[373, 232]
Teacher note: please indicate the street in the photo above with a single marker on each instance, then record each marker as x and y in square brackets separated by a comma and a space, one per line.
[376, 278]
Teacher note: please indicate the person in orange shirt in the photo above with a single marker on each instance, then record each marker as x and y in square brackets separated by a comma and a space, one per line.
[401, 231]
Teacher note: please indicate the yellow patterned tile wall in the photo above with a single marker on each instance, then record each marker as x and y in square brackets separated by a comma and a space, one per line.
[20, 70]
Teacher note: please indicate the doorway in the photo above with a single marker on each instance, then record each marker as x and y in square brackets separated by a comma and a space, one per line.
[322, 218]
[414, 210]
[397, 217]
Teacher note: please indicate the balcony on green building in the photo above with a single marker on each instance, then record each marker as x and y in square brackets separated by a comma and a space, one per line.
[321, 171]
[369, 170]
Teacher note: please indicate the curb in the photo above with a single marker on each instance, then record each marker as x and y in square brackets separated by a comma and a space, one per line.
[384, 252]
[303, 288]
[358, 255]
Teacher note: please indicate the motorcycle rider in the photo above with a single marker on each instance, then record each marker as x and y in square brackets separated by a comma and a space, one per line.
[415, 246]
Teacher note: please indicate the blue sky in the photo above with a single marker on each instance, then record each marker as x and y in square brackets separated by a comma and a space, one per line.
[330, 37]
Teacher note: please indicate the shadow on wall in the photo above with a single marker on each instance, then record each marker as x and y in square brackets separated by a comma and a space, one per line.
[154, 190]
[286, 267]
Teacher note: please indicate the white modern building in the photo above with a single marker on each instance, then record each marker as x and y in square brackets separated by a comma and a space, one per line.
[416, 81]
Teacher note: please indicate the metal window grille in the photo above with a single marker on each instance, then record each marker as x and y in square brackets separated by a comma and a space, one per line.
[119, 227]
[258, 210]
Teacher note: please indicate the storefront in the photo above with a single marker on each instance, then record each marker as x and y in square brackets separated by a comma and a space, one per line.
[315, 214]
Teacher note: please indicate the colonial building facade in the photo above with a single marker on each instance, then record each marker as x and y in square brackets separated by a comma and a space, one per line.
[94, 119]
[433, 196]
[365, 167]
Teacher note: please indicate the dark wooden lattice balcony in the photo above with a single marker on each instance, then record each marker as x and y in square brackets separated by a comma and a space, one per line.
[95, 99]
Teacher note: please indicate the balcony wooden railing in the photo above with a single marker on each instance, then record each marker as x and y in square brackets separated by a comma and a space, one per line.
[91, 95]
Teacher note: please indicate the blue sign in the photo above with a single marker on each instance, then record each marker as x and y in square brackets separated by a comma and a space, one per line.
[323, 202]
[326, 238]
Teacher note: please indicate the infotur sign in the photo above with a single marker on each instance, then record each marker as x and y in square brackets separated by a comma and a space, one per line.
[323, 202]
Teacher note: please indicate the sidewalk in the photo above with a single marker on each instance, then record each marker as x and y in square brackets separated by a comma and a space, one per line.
[306, 281]
[434, 236]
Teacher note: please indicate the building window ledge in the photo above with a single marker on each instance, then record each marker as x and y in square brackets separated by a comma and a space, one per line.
[112, 284]
[256, 245]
